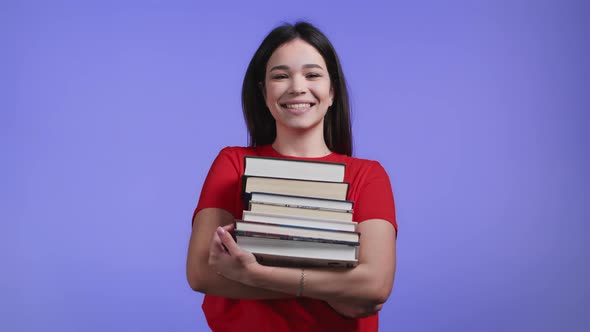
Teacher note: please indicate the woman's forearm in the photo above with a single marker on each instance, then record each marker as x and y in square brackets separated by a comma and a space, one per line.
[356, 285]
[367, 284]
[217, 285]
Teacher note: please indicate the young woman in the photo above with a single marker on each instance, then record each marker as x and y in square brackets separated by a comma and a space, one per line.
[295, 104]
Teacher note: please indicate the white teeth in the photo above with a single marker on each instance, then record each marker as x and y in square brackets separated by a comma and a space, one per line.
[297, 106]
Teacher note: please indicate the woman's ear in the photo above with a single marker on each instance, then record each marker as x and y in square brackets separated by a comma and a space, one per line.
[331, 96]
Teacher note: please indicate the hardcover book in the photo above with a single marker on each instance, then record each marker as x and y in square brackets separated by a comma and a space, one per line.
[349, 237]
[276, 251]
[300, 211]
[294, 169]
[302, 202]
[306, 188]
[280, 219]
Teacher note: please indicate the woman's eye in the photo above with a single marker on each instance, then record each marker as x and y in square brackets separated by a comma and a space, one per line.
[279, 77]
[313, 75]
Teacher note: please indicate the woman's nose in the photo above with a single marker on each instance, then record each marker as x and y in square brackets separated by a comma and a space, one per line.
[297, 86]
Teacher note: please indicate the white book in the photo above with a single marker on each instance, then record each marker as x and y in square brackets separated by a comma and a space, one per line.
[297, 187]
[302, 202]
[299, 211]
[299, 221]
[294, 169]
[271, 251]
[320, 234]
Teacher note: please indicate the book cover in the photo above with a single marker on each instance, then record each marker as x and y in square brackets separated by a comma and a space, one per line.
[281, 219]
[297, 230]
[306, 188]
[302, 202]
[291, 261]
[286, 237]
[280, 252]
[294, 168]
[297, 211]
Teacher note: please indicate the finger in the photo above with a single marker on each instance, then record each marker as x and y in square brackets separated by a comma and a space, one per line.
[370, 312]
[228, 241]
[229, 228]
[216, 245]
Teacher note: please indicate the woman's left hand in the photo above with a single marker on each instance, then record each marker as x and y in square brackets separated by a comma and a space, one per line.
[350, 310]
[227, 258]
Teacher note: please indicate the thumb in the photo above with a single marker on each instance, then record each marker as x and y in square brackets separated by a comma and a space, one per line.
[228, 241]
[229, 227]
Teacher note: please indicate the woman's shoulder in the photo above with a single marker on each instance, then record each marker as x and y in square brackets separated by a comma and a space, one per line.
[356, 166]
[359, 162]
[239, 152]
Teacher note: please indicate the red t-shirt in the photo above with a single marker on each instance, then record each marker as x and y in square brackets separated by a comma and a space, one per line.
[369, 189]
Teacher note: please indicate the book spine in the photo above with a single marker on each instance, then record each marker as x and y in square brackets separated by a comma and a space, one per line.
[312, 199]
[323, 230]
[298, 206]
[284, 237]
[287, 261]
[294, 160]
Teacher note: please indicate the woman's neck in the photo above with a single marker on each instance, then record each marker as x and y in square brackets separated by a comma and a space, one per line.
[310, 144]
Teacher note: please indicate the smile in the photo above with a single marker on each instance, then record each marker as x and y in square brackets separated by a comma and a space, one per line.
[297, 106]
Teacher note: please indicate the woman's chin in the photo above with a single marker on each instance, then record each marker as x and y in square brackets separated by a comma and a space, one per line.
[299, 125]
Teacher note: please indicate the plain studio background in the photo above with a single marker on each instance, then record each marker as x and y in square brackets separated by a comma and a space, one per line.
[112, 112]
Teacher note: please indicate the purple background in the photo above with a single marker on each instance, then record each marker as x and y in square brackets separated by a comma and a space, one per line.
[112, 112]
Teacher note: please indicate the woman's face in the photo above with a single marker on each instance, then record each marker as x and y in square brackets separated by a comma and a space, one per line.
[298, 90]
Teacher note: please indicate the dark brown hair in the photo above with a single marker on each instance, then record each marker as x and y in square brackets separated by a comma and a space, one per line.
[261, 124]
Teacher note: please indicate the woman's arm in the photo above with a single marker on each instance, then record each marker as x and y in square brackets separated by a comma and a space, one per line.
[368, 285]
[201, 276]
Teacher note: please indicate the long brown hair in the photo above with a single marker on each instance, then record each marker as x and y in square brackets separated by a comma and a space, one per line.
[261, 125]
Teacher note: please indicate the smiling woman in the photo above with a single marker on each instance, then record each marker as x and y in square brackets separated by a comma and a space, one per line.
[312, 49]
[295, 104]
[298, 90]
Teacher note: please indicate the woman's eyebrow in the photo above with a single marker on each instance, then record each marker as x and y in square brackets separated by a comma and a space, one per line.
[285, 67]
[279, 67]
[312, 65]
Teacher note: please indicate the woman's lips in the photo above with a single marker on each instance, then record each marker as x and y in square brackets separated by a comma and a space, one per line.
[297, 108]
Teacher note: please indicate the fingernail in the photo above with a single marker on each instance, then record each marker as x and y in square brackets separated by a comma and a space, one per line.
[220, 230]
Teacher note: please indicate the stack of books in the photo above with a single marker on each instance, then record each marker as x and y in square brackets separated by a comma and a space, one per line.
[297, 213]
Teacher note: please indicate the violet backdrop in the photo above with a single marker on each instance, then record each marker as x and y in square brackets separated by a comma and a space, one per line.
[112, 112]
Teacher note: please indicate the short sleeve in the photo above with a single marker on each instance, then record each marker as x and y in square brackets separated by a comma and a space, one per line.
[375, 199]
[222, 186]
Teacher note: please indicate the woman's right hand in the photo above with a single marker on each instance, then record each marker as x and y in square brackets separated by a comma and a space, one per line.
[227, 258]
